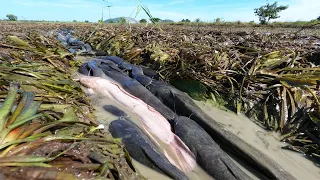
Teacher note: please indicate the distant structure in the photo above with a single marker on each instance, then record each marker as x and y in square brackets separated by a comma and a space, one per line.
[118, 20]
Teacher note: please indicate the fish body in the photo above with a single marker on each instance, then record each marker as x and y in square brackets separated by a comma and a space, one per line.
[115, 111]
[143, 149]
[107, 71]
[154, 124]
[208, 153]
[185, 106]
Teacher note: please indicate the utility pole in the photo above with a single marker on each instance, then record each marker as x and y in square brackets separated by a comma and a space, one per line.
[103, 9]
[109, 10]
[102, 15]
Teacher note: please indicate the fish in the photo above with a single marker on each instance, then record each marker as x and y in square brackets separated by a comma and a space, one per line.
[143, 80]
[143, 149]
[183, 105]
[96, 71]
[137, 74]
[153, 123]
[62, 38]
[136, 70]
[115, 111]
[130, 85]
[84, 69]
[150, 73]
[87, 47]
[171, 99]
[109, 65]
[120, 62]
[115, 59]
[208, 153]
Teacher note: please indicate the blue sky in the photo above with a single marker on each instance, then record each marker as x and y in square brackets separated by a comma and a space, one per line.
[206, 10]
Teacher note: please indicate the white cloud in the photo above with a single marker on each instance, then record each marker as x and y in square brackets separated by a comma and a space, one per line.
[304, 10]
[57, 3]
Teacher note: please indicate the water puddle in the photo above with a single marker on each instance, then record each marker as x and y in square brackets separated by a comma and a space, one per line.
[264, 141]
[148, 172]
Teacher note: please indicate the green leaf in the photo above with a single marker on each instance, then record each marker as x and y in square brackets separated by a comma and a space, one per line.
[7, 105]
[19, 42]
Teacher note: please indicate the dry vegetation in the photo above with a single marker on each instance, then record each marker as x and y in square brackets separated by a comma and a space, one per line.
[51, 133]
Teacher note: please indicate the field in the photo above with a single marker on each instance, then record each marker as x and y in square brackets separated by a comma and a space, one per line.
[269, 73]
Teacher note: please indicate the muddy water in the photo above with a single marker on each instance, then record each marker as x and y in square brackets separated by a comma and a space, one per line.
[103, 117]
[266, 142]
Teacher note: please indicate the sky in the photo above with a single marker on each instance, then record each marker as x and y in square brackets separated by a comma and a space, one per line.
[206, 10]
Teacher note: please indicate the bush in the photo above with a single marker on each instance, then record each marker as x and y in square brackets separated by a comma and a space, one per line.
[154, 20]
[217, 20]
[122, 20]
[143, 21]
[12, 17]
[185, 20]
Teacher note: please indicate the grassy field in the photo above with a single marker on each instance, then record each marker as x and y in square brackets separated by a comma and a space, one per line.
[271, 73]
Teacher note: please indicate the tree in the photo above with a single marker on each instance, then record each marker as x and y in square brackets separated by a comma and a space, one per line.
[185, 20]
[12, 17]
[143, 21]
[217, 20]
[154, 20]
[268, 12]
[122, 20]
[318, 18]
[197, 20]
